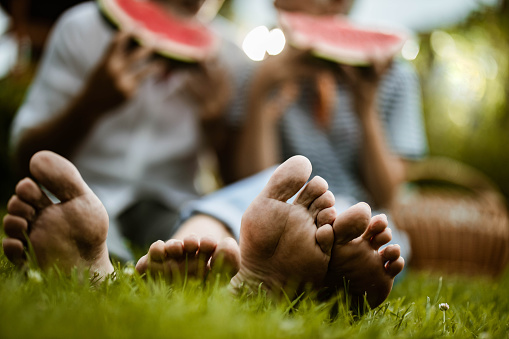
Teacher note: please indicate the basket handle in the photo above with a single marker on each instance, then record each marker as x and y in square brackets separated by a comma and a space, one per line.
[438, 168]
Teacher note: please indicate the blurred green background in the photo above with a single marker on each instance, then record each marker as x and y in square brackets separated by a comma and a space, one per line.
[465, 81]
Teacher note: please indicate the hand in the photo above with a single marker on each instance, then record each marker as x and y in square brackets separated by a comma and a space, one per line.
[274, 107]
[315, 7]
[276, 83]
[208, 83]
[120, 73]
[289, 66]
[364, 82]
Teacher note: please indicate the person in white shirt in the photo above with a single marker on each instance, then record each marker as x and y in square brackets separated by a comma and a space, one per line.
[132, 124]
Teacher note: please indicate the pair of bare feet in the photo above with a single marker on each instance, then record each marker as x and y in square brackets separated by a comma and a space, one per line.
[282, 245]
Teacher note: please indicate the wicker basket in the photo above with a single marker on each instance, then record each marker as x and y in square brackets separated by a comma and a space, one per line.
[455, 217]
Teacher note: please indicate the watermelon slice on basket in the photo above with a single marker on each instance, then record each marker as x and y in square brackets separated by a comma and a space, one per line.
[184, 39]
[335, 38]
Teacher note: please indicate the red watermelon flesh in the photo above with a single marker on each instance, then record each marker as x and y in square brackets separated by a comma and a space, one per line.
[336, 38]
[184, 39]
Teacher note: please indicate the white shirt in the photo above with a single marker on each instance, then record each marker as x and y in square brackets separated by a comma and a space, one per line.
[146, 148]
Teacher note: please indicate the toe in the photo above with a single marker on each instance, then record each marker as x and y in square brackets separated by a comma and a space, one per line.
[58, 175]
[325, 238]
[28, 191]
[324, 201]
[313, 190]
[14, 251]
[16, 227]
[174, 249]
[326, 217]
[351, 223]
[226, 257]
[142, 264]
[391, 253]
[156, 251]
[288, 179]
[381, 239]
[376, 226]
[207, 246]
[191, 244]
[21, 209]
[395, 267]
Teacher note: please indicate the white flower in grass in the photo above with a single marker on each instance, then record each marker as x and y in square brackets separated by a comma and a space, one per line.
[129, 271]
[443, 306]
[34, 276]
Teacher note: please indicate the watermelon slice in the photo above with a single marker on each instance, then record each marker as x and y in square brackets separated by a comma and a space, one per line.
[184, 39]
[335, 38]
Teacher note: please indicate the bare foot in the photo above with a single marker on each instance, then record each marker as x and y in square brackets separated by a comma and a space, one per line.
[68, 234]
[355, 256]
[191, 257]
[281, 245]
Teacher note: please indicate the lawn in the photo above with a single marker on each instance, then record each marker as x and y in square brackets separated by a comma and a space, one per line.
[36, 305]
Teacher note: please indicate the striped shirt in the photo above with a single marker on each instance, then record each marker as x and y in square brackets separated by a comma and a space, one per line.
[335, 152]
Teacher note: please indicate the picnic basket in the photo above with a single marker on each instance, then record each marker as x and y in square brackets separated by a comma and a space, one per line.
[456, 219]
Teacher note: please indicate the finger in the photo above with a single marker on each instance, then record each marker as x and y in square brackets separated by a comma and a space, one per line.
[380, 67]
[297, 53]
[287, 95]
[349, 73]
[148, 70]
[283, 69]
[204, 70]
[114, 58]
[120, 42]
[139, 55]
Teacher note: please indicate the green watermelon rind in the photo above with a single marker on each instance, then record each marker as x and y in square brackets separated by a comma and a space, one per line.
[337, 54]
[160, 51]
[334, 58]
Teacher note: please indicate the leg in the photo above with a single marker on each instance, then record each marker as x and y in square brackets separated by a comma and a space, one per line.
[228, 204]
[69, 234]
[357, 259]
[209, 217]
[281, 245]
[201, 244]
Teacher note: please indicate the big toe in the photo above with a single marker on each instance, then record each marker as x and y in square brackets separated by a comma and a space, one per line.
[351, 223]
[58, 175]
[288, 178]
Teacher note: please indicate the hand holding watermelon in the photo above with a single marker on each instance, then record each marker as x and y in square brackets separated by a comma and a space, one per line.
[169, 27]
[119, 74]
[363, 82]
[320, 7]
[275, 84]
[335, 38]
[210, 87]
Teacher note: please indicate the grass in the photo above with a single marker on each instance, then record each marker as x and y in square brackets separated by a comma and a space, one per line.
[36, 305]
